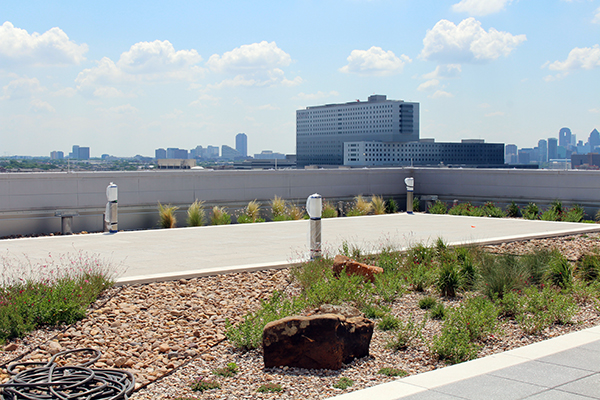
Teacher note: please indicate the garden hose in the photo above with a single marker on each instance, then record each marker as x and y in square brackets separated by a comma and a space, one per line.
[45, 381]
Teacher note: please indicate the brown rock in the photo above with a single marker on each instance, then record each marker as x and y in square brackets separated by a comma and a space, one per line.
[11, 347]
[320, 341]
[355, 268]
[163, 348]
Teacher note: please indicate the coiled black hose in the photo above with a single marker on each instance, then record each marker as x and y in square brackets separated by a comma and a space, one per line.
[41, 381]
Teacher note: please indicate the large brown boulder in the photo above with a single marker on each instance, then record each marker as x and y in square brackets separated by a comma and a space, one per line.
[355, 268]
[320, 341]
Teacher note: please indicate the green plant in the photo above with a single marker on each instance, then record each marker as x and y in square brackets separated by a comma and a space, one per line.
[374, 311]
[391, 207]
[360, 207]
[388, 323]
[438, 311]
[252, 212]
[230, 370]
[574, 214]
[535, 310]
[427, 302]
[588, 267]
[597, 216]
[416, 204]
[278, 208]
[201, 384]
[329, 211]
[466, 209]
[270, 388]
[295, 213]
[478, 316]
[196, 214]
[501, 274]
[489, 209]
[378, 205]
[220, 216]
[166, 214]
[453, 345]
[448, 279]
[389, 286]
[343, 383]
[531, 211]
[406, 334]
[550, 215]
[560, 271]
[439, 207]
[390, 371]
[557, 207]
[420, 277]
[512, 210]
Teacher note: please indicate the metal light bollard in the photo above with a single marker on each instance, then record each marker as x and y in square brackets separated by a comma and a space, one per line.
[111, 214]
[314, 207]
[410, 186]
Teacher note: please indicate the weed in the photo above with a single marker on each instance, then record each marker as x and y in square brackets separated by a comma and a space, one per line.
[378, 205]
[201, 384]
[166, 214]
[406, 334]
[512, 210]
[230, 370]
[389, 286]
[220, 216]
[438, 311]
[427, 302]
[196, 214]
[388, 323]
[439, 207]
[389, 371]
[270, 388]
[343, 383]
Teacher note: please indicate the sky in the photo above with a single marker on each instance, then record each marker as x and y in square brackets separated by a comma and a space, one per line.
[127, 77]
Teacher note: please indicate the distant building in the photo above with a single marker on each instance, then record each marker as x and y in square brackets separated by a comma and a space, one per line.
[174, 153]
[229, 153]
[585, 161]
[80, 153]
[510, 154]
[57, 155]
[543, 150]
[176, 164]
[552, 149]
[322, 131]
[269, 155]
[564, 137]
[526, 155]
[594, 139]
[211, 152]
[160, 154]
[468, 152]
[197, 152]
[241, 144]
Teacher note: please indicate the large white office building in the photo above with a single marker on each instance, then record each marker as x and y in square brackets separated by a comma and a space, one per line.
[321, 131]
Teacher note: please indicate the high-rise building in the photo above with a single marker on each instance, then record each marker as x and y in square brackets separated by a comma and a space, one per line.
[211, 152]
[564, 137]
[543, 150]
[510, 155]
[552, 149]
[160, 154]
[594, 139]
[80, 153]
[229, 153]
[241, 144]
[57, 155]
[321, 131]
[176, 153]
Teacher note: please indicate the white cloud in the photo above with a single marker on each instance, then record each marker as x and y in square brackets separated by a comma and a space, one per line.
[256, 64]
[21, 88]
[205, 99]
[495, 114]
[441, 94]
[445, 71]
[38, 105]
[467, 42]
[173, 115]
[122, 109]
[579, 58]
[250, 57]
[65, 92]
[428, 85]
[375, 61]
[315, 96]
[480, 7]
[108, 92]
[156, 61]
[594, 110]
[596, 19]
[53, 47]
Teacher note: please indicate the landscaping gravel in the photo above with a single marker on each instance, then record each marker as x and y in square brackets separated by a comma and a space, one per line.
[170, 333]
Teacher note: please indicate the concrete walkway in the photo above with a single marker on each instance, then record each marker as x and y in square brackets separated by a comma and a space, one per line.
[187, 252]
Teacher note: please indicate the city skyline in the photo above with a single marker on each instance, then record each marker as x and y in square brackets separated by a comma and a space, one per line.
[124, 78]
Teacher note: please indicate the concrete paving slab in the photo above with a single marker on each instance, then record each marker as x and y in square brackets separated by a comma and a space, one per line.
[588, 386]
[173, 253]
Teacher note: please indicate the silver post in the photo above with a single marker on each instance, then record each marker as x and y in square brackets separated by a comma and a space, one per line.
[314, 206]
[410, 185]
[111, 214]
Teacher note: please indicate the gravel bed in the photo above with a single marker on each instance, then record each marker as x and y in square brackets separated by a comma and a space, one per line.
[169, 333]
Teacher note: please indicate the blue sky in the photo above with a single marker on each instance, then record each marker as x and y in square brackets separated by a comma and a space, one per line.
[127, 77]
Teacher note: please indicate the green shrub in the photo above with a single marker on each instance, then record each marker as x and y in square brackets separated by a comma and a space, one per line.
[453, 345]
[560, 271]
[201, 384]
[251, 214]
[329, 210]
[438, 311]
[230, 370]
[389, 286]
[512, 210]
[427, 302]
[388, 323]
[391, 207]
[550, 215]
[439, 207]
[407, 333]
[390, 371]
[448, 279]
[478, 316]
[531, 211]
[574, 214]
[466, 209]
[489, 209]
[166, 216]
[416, 204]
[220, 216]
[588, 267]
[538, 309]
[536, 264]
[374, 311]
[501, 274]
[196, 214]
[343, 383]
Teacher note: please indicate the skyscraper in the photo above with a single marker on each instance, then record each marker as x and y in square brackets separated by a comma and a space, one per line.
[241, 144]
[552, 149]
[564, 137]
[543, 150]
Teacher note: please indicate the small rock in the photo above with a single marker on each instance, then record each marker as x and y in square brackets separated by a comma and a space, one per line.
[120, 362]
[163, 348]
[11, 346]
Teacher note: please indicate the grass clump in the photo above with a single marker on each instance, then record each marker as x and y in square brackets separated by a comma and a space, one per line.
[406, 334]
[437, 312]
[57, 292]
[296, 213]
[388, 323]
[531, 211]
[574, 214]
[427, 303]
[439, 207]
[202, 384]
[230, 370]
[329, 210]
[390, 371]
[279, 209]
[220, 216]
[378, 205]
[512, 210]
[251, 213]
[196, 214]
[360, 207]
[343, 383]
[166, 215]
[270, 388]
